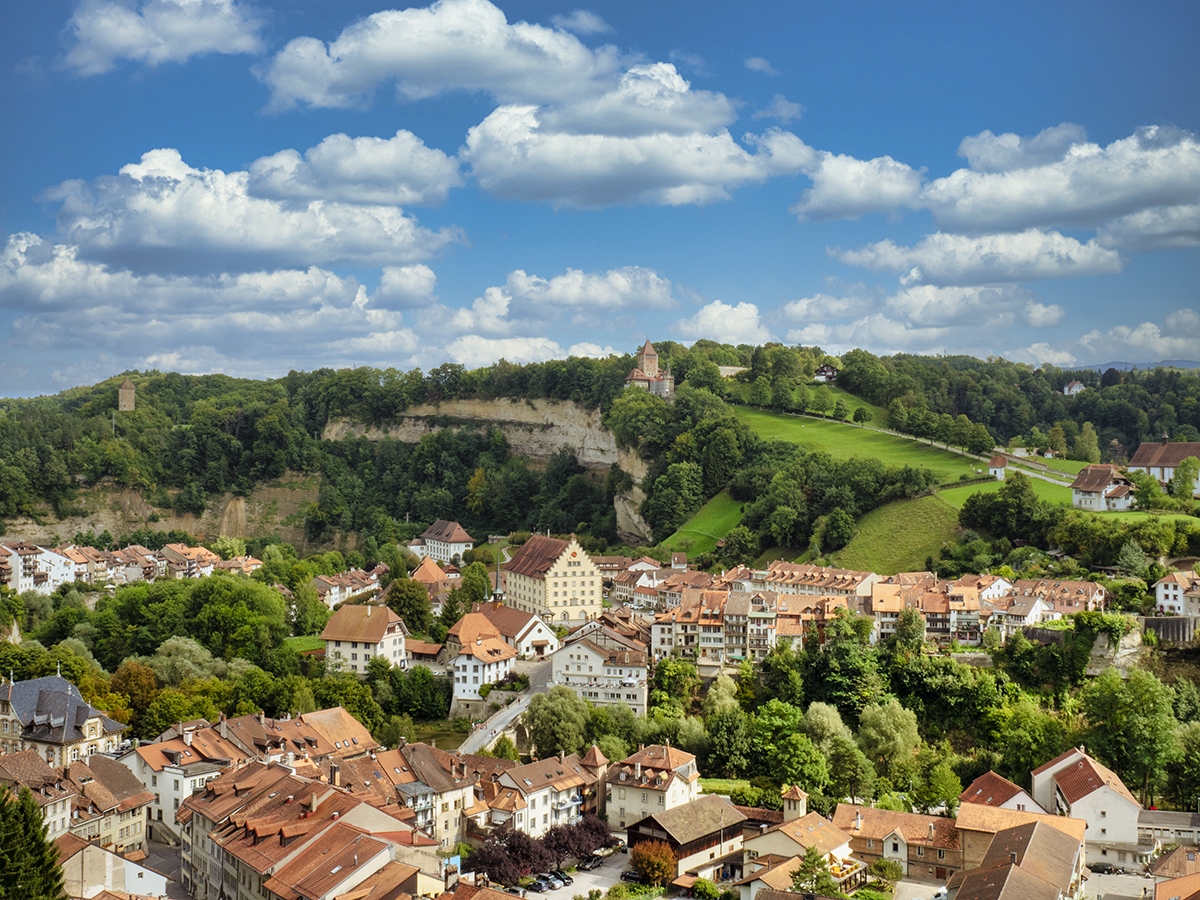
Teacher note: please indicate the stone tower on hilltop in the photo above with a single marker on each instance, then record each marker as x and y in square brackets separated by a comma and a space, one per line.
[126, 396]
[646, 374]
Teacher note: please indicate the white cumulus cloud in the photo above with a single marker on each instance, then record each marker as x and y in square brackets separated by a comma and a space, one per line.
[473, 350]
[987, 152]
[252, 323]
[824, 307]
[160, 214]
[1160, 228]
[512, 156]
[1087, 186]
[452, 44]
[720, 321]
[157, 31]
[399, 170]
[949, 259]
[846, 187]
[1177, 338]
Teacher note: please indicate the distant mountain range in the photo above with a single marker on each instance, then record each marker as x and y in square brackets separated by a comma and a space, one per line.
[1166, 363]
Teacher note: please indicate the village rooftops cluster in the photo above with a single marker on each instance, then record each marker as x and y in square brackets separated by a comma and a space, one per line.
[29, 567]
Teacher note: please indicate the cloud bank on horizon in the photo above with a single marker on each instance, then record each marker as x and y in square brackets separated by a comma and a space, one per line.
[453, 182]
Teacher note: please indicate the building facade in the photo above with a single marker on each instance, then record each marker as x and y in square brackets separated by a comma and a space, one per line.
[554, 579]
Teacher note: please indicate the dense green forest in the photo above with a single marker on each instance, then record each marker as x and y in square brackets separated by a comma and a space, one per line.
[193, 437]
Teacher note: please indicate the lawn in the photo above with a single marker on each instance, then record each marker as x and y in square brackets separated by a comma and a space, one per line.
[700, 533]
[439, 735]
[722, 785]
[304, 643]
[899, 536]
[844, 441]
[1136, 515]
[1052, 493]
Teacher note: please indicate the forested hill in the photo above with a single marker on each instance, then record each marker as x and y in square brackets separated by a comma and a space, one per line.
[1012, 399]
[192, 438]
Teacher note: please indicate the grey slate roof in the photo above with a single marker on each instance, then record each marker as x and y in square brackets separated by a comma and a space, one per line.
[52, 711]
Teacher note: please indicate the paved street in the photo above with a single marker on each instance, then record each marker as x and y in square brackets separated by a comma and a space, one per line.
[165, 859]
[539, 678]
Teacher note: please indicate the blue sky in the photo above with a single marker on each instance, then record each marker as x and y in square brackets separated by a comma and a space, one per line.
[213, 185]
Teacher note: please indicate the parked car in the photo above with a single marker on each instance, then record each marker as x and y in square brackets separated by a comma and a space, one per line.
[538, 886]
[553, 880]
[562, 876]
[632, 876]
[1103, 868]
[591, 862]
[515, 891]
[617, 845]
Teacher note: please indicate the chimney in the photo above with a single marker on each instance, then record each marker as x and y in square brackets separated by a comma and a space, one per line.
[368, 616]
[1012, 857]
[335, 775]
[355, 859]
[187, 738]
[858, 820]
[312, 804]
[931, 831]
[638, 772]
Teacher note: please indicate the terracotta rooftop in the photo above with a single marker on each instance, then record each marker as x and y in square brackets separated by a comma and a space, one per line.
[536, 556]
[989, 789]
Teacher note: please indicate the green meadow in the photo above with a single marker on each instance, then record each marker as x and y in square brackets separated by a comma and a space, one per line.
[844, 441]
[1051, 493]
[702, 531]
[899, 536]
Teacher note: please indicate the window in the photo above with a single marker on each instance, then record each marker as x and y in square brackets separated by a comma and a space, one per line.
[895, 847]
[920, 851]
[941, 854]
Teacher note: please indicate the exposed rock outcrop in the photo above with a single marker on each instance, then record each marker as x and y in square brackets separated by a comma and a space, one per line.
[533, 428]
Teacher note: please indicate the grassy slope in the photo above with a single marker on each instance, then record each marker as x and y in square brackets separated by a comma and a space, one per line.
[1052, 493]
[304, 642]
[846, 441]
[701, 532]
[899, 536]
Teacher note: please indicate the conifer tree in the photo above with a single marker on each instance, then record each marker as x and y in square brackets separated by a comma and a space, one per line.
[29, 868]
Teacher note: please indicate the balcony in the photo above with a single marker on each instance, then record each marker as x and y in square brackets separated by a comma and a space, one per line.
[567, 803]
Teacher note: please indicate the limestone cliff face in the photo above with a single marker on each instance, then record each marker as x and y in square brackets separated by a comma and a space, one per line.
[533, 428]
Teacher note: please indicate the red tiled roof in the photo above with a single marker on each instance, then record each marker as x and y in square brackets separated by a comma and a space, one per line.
[989, 789]
[536, 556]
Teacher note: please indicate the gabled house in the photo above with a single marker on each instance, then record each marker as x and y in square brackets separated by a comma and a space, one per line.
[52, 791]
[443, 541]
[90, 869]
[773, 848]
[655, 778]
[602, 675]
[705, 835]
[552, 791]
[997, 466]
[486, 660]
[1074, 784]
[49, 715]
[1160, 459]
[355, 634]
[172, 769]
[1178, 593]
[825, 374]
[1100, 488]
[1033, 861]
[1073, 387]
[555, 580]
[990, 789]
[924, 846]
[523, 631]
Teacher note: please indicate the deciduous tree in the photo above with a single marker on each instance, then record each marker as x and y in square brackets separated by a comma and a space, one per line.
[653, 860]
